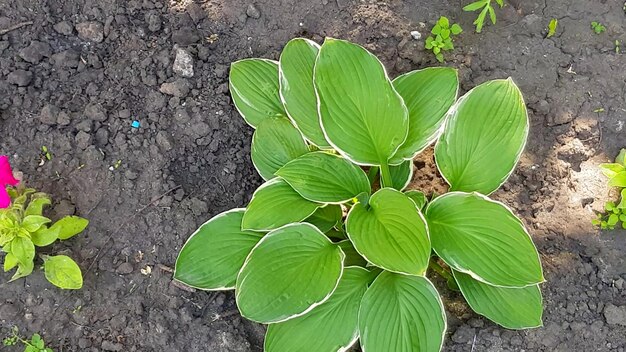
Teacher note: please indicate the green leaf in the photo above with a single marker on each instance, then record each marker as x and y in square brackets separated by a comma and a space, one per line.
[254, 88]
[513, 308]
[391, 233]
[419, 198]
[477, 5]
[443, 22]
[401, 175]
[480, 20]
[23, 250]
[23, 270]
[37, 341]
[275, 143]
[70, 226]
[610, 170]
[63, 272]
[481, 237]
[401, 313]
[45, 236]
[362, 115]
[445, 33]
[436, 29]
[456, 29]
[35, 207]
[275, 204]
[291, 270]
[326, 218]
[621, 157]
[10, 261]
[32, 223]
[552, 27]
[213, 255]
[428, 94]
[296, 88]
[484, 137]
[492, 15]
[612, 220]
[353, 258]
[500, 2]
[330, 327]
[622, 203]
[439, 57]
[325, 178]
[618, 180]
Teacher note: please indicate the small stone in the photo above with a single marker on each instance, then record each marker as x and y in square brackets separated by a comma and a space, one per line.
[185, 36]
[84, 343]
[35, 52]
[110, 346]
[179, 88]
[63, 27]
[67, 58]
[416, 35]
[183, 63]
[83, 140]
[196, 12]
[102, 136]
[615, 315]
[153, 19]
[253, 12]
[164, 141]
[63, 119]
[198, 207]
[91, 31]
[20, 78]
[48, 115]
[64, 208]
[4, 44]
[95, 112]
[463, 334]
[124, 268]
[543, 107]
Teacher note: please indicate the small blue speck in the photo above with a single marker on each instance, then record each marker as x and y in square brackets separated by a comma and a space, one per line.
[135, 124]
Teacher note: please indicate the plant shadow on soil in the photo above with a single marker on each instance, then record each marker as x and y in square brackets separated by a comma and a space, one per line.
[78, 92]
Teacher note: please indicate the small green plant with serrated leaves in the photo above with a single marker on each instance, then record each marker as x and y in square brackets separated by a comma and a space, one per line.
[486, 8]
[441, 40]
[23, 227]
[615, 213]
[333, 249]
[598, 27]
[34, 344]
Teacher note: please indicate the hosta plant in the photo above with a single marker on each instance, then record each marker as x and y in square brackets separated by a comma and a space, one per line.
[615, 213]
[23, 227]
[327, 253]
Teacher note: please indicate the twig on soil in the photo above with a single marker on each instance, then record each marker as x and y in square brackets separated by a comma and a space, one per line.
[14, 27]
[473, 343]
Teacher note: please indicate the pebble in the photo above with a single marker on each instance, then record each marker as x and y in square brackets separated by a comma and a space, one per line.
[95, 112]
[48, 114]
[110, 346]
[416, 35]
[183, 63]
[185, 36]
[20, 78]
[91, 31]
[615, 315]
[63, 119]
[179, 88]
[253, 12]
[35, 52]
[124, 268]
[63, 27]
[83, 140]
[67, 58]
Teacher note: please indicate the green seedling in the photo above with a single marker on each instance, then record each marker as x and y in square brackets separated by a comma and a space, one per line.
[325, 255]
[485, 7]
[597, 27]
[23, 227]
[618, 49]
[552, 27]
[614, 213]
[34, 344]
[442, 40]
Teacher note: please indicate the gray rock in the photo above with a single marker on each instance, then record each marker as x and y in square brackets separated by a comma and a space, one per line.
[64, 208]
[164, 141]
[183, 63]
[463, 334]
[91, 31]
[63, 118]
[63, 27]
[615, 315]
[196, 12]
[4, 44]
[253, 11]
[153, 19]
[35, 52]
[198, 207]
[95, 112]
[83, 140]
[111, 346]
[67, 58]
[416, 35]
[102, 136]
[48, 114]
[179, 88]
[20, 78]
[124, 268]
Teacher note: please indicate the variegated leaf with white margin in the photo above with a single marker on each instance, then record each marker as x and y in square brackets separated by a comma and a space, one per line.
[329, 327]
[483, 138]
[401, 313]
[390, 232]
[326, 218]
[483, 238]
[362, 115]
[401, 174]
[276, 204]
[274, 143]
[428, 94]
[213, 255]
[510, 307]
[254, 88]
[296, 88]
[291, 270]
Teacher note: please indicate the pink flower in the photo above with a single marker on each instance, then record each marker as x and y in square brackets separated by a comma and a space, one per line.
[6, 179]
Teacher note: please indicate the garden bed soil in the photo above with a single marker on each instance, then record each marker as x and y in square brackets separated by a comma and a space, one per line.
[78, 73]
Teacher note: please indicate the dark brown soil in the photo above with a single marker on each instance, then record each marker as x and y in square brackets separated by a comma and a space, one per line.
[78, 93]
